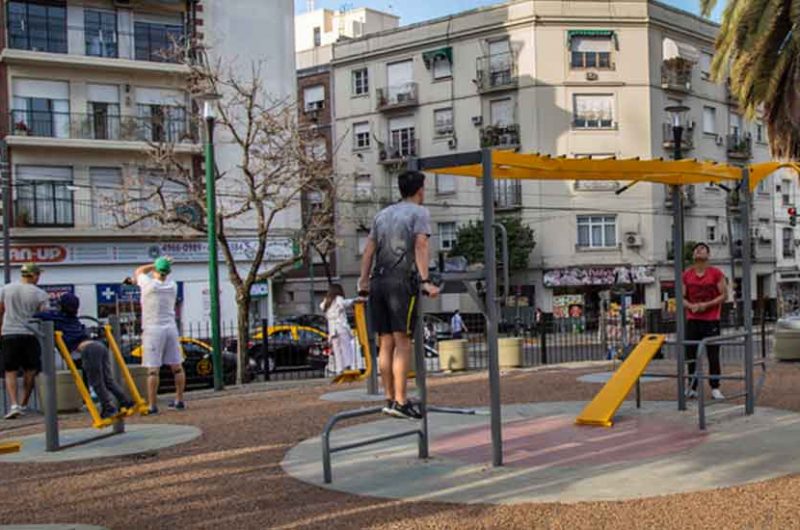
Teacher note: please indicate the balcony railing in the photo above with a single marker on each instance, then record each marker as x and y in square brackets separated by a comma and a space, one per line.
[398, 97]
[101, 126]
[497, 72]
[676, 74]
[398, 152]
[740, 146]
[687, 192]
[502, 136]
[687, 138]
[507, 194]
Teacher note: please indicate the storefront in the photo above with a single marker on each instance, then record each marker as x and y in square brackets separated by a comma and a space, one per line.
[95, 272]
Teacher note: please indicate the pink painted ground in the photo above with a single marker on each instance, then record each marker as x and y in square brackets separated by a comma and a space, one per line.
[556, 441]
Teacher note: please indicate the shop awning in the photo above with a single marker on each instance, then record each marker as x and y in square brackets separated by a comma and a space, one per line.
[672, 49]
[598, 33]
[432, 55]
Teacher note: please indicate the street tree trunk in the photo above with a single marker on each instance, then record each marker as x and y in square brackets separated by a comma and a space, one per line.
[243, 334]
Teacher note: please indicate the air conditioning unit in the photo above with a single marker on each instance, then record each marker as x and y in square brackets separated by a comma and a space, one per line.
[477, 121]
[452, 143]
[719, 140]
[633, 240]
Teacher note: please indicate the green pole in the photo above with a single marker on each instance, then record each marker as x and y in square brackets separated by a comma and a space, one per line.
[213, 272]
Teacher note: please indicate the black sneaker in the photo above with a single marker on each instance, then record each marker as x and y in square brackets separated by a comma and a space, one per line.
[152, 411]
[108, 412]
[387, 409]
[177, 405]
[406, 411]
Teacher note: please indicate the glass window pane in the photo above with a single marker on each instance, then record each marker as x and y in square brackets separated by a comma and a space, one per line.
[597, 235]
[583, 235]
[611, 238]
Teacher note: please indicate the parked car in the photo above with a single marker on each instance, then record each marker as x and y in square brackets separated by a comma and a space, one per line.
[289, 347]
[787, 339]
[197, 364]
[312, 321]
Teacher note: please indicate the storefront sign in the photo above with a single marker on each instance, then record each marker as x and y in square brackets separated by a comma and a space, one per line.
[571, 277]
[112, 293]
[259, 290]
[55, 292]
[277, 249]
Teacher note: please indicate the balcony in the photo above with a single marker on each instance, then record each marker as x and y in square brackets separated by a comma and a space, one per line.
[397, 153]
[507, 194]
[397, 97]
[740, 146]
[501, 136]
[101, 130]
[687, 139]
[687, 192]
[497, 72]
[676, 75]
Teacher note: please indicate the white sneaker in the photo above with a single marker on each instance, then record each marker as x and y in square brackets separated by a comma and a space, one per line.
[716, 394]
[691, 394]
[15, 412]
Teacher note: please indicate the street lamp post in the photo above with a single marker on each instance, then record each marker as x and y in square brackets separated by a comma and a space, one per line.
[211, 220]
[677, 113]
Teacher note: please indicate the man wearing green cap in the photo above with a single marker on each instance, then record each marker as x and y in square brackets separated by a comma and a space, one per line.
[160, 342]
[20, 347]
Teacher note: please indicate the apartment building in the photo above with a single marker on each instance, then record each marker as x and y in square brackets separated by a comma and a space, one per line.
[87, 86]
[586, 78]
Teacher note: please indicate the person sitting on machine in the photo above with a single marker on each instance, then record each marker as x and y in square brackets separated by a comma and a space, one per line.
[94, 355]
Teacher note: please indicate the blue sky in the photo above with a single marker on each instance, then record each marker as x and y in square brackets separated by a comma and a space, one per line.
[411, 11]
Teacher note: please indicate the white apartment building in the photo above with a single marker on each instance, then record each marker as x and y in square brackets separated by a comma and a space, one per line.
[86, 86]
[580, 78]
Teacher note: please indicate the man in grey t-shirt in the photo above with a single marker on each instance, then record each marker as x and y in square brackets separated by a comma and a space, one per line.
[20, 347]
[398, 245]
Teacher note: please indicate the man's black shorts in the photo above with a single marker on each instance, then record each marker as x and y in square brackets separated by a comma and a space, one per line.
[21, 352]
[393, 304]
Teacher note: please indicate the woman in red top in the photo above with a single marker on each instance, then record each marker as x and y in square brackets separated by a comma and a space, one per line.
[704, 291]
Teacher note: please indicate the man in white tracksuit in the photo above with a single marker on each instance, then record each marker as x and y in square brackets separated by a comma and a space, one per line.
[160, 342]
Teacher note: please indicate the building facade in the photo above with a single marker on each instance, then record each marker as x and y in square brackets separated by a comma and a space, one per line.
[580, 79]
[87, 87]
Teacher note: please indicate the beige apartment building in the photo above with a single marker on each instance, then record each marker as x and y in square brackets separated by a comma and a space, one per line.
[85, 88]
[580, 78]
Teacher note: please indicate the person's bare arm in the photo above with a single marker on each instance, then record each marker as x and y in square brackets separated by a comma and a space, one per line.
[366, 265]
[144, 269]
[2, 314]
[422, 255]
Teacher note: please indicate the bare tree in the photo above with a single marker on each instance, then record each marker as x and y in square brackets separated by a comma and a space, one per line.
[278, 166]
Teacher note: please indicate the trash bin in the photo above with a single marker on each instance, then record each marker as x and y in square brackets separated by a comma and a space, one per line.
[453, 355]
[510, 352]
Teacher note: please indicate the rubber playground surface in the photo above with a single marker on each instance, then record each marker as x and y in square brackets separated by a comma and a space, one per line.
[231, 476]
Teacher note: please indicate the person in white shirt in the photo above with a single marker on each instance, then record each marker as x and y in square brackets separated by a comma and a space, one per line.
[457, 326]
[160, 342]
[335, 307]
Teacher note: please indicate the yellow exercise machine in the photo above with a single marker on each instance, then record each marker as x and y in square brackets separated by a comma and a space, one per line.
[97, 422]
[11, 446]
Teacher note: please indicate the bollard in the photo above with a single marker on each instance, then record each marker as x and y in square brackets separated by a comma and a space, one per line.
[46, 332]
[265, 347]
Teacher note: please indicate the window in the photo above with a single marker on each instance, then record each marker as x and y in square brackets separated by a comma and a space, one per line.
[445, 184]
[156, 41]
[106, 194]
[314, 98]
[362, 236]
[759, 132]
[402, 137]
[443, 122]
[786, 192]
[597, 231]
[41, 108]
[360, 82]
[711, 229]
[361, 135]
[37, 27]
[763, 186]
[44, 197]
[103, 112]
[705, 65]
[363, 187]
[501, 112]
[447, 236]
[100, 29]
[317, 36]
[442, 69]
[788, 242]
[162, 123]
[736, 125]
[593, 111]
[591, 52]
[709, 120]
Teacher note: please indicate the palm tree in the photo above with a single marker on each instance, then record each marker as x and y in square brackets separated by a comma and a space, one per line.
[759, 47]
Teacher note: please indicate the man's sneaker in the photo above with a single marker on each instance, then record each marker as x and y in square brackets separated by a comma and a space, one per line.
[716, 394]
[108, 412]
[151, 411]
[177, 405]
[387, 409]
[405, 411]
[129, 405]
[691, 393]
[15, 412]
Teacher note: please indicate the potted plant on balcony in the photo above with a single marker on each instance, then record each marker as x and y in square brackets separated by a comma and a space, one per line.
[23, 218]
[21, 128]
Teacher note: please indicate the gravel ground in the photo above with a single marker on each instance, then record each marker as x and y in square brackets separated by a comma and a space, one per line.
[231, 476]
